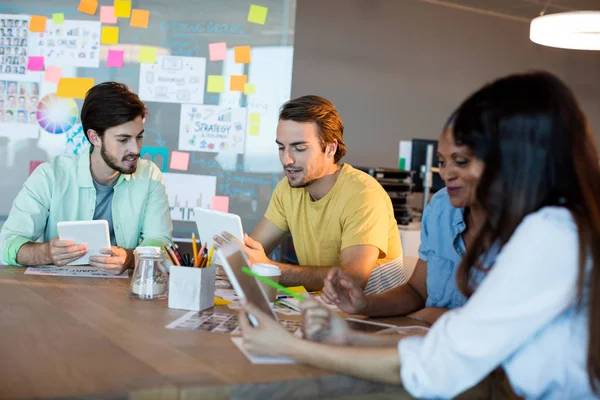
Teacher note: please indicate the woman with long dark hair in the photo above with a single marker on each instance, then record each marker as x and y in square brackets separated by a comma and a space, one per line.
[536, 313]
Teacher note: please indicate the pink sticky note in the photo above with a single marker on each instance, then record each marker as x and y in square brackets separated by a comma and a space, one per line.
[35, 63]
[53, 74]
[115, 58]
[107, 15]
[179, 160]
[33, 165]
[220, 203]
[218, 51]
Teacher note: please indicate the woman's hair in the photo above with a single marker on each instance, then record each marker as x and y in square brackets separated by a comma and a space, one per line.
[538, 151]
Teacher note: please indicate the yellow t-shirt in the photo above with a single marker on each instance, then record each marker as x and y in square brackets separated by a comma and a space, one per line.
[356, 211]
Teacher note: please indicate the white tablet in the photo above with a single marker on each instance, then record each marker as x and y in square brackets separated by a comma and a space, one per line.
[212, 223]
[246, 286]
[93, 233]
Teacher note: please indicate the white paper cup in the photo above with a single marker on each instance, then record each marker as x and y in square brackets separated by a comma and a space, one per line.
[268, 271]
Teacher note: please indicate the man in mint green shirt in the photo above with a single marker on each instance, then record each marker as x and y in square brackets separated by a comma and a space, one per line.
[110, 182]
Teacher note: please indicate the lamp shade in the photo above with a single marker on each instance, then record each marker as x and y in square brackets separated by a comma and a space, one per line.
[579, 30]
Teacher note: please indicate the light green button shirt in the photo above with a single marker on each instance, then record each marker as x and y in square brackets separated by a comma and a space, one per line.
[63, 190]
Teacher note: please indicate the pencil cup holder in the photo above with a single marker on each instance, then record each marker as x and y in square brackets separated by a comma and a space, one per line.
[192, 288]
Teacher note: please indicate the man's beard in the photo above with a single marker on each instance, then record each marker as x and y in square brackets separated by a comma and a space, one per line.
[113, 163]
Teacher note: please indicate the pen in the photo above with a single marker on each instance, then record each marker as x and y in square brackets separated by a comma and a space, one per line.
[194, 249]
[177, 251]
[272, 284]
[201, 256]
[173, 256]
[168, 255]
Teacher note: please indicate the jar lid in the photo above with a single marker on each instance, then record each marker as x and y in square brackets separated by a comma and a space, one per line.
[149, 251]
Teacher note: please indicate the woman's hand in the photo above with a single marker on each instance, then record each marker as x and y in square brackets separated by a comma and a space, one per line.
[322, 325]
[269, 338]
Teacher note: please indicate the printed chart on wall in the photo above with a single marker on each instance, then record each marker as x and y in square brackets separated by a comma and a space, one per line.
[212, 74]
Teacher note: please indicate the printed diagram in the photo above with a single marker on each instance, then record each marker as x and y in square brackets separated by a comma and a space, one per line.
[173, 79]
[73, 43]
[212, 129]
[188, 191]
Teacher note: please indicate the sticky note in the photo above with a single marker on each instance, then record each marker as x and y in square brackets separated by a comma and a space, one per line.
[122, 8]
[139, 18]
[33, 164]
[241, 54]
[110, 35]
[249, 88]
[257, 14]
[53, 74]
[37, 23]
[217, 51]
[254, 130]
[215, 84]
[35, 63]
[220, 203]
[237, 82]
[75, 88]
[254, 118]
[58, 18]
[179, 160]
[297, 289]
[221, 302]
[115, 58]
[107, 15]
[88, 6]
[147, 55]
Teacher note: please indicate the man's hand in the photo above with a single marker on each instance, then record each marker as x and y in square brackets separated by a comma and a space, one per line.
[323, 325]
[252, 248]
[340, 289]
[115, 262]
[62, 252]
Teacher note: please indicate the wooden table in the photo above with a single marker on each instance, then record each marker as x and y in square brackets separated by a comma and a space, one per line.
[72, 337]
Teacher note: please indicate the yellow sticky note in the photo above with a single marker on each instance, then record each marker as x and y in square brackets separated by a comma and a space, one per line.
[297, 289]
[75, 88]
[123, 8]
[147, 55]
[241, 54]
[139, 18]
[58, 18]
[37, 23]
[221, 302]
[88, 6]
[254, 130]
[110, 35]
[237, 82]
[249, 88]
[215, 84]
[254, 118]
[257, 14]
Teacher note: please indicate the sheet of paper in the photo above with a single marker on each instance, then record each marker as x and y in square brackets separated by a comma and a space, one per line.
[88, 6]
[74, 87]
[19, 101]
[115, 58]
[212, 129]
[73, 43]
[37, 23]
[110, 35]
[14, 60]
[107, 15]
[249, 88]
[79, 271]
[147, 55]
[122, 8]
[185, 192]
[139, 18]
[257, 14]
[237, 82]
[180, 160]
[254, 359]
[241, 54]
[35, 63]
[58, 18]
[217, 51]
[173, 79]
[220, 203]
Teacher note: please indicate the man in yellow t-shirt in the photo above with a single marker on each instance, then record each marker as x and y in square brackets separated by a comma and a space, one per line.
[338, 216]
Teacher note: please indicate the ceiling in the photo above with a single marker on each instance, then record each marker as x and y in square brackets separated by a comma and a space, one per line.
[526, 9]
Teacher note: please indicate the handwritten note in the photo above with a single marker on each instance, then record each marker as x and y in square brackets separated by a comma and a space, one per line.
[75, 88]
[107, 15]
[257, 14]
[180, 160]
[220, 203]
[81, 271]
[37, 23]
[58, 18]
[217, 51]
[53, 74]
[115, 58]
[88, 6]
[110, 35]
[35, 63]
[139, 18]
[123, 8]
[215, 84]
[241, 54]
[237, 82]
[147, 55]
[249, 88]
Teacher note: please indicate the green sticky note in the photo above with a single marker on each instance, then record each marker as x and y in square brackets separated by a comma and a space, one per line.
[254, 118]
[147, 55]
[254, 130]
[249, 88]
[58, 18]
[257, 14]
[215, 84]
